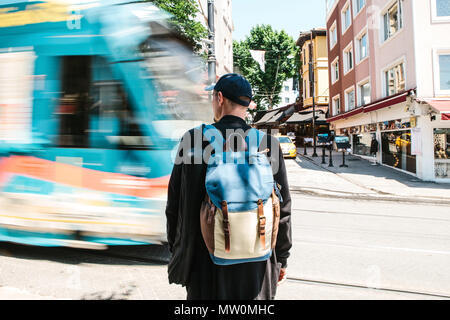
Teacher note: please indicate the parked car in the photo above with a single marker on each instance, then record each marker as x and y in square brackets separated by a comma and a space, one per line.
[287, 147]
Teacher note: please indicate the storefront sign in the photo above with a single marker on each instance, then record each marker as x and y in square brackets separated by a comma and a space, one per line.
[355, 130]
[370, 127]
[322, 138]
[416, 141]
[395, 125]
[342, 142]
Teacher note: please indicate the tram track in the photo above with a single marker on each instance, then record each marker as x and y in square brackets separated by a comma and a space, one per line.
[156, 256]
[164, 261]
[357, 286]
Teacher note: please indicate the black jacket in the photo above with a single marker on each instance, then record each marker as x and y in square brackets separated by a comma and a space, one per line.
[190, 262]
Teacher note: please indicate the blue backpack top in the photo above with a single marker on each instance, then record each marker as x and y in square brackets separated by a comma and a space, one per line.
[240, 178]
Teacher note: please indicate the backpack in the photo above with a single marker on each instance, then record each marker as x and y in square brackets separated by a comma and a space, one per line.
[240, 214]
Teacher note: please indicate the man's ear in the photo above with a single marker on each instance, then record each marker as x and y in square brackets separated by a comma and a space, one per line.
[220, 97]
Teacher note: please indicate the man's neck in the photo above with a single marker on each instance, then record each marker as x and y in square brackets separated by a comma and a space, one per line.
[237, 113]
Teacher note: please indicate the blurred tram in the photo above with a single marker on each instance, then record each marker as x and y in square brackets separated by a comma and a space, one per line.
[94, 96]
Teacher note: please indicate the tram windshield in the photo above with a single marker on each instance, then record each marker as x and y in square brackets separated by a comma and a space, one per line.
[179, 77]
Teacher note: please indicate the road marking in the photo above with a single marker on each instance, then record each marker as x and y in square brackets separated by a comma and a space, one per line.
[370, 214]
[330, 243]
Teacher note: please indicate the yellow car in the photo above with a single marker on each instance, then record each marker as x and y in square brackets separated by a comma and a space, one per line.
[287, 147]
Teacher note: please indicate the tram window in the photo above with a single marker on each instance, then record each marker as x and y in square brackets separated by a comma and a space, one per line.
[95, 113]
[74, 102]
[113, 120]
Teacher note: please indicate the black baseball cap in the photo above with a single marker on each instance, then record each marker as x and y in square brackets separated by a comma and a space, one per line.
[233, 86]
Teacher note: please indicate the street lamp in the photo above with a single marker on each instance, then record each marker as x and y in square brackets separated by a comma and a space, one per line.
[311, 80]
[211, 49]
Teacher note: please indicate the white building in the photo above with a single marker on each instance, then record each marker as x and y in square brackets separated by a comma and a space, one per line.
[432, 53]
[288, 93]
[223, 34]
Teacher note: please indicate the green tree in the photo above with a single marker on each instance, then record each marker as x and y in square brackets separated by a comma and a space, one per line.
[280, 63]
[184, 13]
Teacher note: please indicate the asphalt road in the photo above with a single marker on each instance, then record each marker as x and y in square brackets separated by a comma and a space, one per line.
[343, 249]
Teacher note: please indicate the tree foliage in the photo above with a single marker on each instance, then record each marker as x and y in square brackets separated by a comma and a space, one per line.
[280, 63]
[184, 13]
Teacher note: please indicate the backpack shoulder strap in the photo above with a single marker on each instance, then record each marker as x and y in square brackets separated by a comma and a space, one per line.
[214, 137]
[253, 140]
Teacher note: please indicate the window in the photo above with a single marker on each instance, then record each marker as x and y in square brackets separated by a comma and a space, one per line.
[305, 89]
[346, 17]
[350, 99]
[364, 94]
[336, 105]
[441, 65]
[444, 72]
[330, 5]
[333, 35]
[94, 113]
[335, 71]
[361, 47]
[304, 56]
[394, 80]
[286, 88]
[286, 100]
[442, 153]
[348, 59]
[396, 150]
[358, 5]
[393, 20]
[285, 140]
[442, 8]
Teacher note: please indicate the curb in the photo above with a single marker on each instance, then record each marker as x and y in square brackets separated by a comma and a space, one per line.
[358, 196]
[383, 196]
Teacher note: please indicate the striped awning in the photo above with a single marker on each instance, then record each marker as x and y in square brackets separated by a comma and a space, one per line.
[299, 118]
[267, 117]
[306, 118]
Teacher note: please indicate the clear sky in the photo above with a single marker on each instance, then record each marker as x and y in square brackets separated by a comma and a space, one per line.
[292, 16]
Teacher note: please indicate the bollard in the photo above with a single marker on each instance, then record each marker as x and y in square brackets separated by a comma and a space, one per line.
[330, 164]
[343, 160]
[323, 155]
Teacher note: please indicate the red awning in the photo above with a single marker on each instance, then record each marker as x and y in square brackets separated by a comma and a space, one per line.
[441, 106]
[376, 105]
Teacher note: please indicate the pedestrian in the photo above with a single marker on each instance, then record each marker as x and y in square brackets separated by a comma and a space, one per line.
[191, 264]
[374, 149]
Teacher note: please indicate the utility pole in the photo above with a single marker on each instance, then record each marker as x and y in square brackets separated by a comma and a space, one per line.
[211, 50]
[312, 84]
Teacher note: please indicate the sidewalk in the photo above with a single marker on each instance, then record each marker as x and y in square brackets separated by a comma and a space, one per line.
[366, 181]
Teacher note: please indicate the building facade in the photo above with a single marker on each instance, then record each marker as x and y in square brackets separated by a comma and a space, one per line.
[223, 33]
[313, 45]
[288, 93]
[313, 87]
[389, 81]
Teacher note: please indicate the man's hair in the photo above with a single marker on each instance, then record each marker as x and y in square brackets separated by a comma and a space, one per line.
[234, 104]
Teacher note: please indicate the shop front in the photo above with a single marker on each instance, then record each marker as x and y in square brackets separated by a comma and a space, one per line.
[412, 135]
[393, 143]
[441, 153]
[362, 140]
